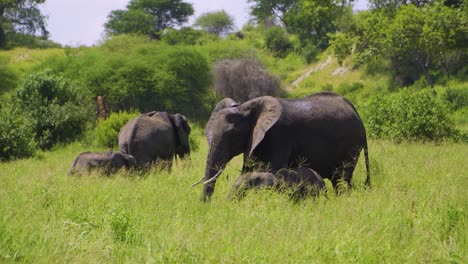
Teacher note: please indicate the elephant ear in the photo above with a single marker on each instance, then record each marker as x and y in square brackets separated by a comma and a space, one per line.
[268, 110]
[183, 129]
[131, 162]
[225, 103]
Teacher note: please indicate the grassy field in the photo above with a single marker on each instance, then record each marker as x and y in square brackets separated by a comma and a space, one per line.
[416, 212]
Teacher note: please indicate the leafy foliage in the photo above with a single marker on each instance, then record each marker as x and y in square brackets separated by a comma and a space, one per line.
[417, 40]
[134, 74]
[149, 17]
[21, 16]
[183, 36]
[218, 23]
[58, 108]
[16, 132]
[276, 40]
[457, 98]
[341, 46]
[265, 9]
[409, 115]
[107, 131]
[312, 20]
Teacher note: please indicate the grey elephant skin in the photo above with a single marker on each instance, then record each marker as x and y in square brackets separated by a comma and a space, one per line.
[155, 137]
[300, 182]
[107, 162]
[322, 131]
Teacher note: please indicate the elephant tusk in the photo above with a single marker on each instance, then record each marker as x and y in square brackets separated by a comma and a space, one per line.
[214, 177]
[198, 182]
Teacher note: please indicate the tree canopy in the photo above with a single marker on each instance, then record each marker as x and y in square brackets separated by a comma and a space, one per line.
[148, 17]
[21, 16]
[265, 9]
[217, 23]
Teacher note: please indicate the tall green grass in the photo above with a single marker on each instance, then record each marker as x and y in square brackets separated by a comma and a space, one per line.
[416, 212]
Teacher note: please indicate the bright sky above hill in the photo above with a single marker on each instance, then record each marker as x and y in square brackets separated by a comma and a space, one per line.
[81, 22]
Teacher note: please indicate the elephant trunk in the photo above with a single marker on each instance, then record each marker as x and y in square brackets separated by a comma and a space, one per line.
[215, 164]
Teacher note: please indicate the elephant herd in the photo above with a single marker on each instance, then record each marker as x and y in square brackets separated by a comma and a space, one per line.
[288, 144]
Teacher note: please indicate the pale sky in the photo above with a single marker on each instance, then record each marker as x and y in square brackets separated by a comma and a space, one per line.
[81, 22]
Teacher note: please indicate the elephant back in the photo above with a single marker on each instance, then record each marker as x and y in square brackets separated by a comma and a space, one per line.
[147, 138]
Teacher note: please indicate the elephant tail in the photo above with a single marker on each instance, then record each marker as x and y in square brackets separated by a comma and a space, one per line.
[366, 157]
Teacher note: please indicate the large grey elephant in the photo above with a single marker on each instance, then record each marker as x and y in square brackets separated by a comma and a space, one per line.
[108, 162]
[301, 182]
[322, 131]
[155, 137]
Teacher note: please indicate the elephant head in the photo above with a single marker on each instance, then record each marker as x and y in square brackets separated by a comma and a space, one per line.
[234, 129]
[128, 160]
[182, 129]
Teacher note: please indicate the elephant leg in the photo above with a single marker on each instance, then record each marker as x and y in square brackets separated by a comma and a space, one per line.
[344, 173]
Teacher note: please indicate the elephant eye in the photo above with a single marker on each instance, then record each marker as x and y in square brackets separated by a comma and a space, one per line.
[233, 118]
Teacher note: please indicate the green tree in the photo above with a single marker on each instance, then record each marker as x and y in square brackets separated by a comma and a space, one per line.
[149, 17]
[341, 46]
[21, 16]
[426, 37]
[129, 21]
[262, 10]
[218, 23]
[276, 40]
[312, 20]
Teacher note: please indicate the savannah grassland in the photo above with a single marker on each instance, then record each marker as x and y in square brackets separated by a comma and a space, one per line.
[415, 212]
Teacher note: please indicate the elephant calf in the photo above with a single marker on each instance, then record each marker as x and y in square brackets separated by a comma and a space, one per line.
[109, 162]
[301, 182]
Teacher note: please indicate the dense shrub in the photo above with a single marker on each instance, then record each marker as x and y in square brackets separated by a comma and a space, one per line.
[346, 88]
[58, 108]
[16, 133]
[107, 131]
[243, 80]
[341, 46]
[409, 115]
[183, 82]
[184, 36]
[310, 52]
[143, 76]
[457, 98]
[277, 41]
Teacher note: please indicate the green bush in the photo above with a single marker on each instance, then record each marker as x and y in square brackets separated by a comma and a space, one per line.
[58, 108]
[409, 115]
[196, 134]
[144, 76]
[345, 88]
[183, 82]
[457, 98]
[277, 41]
[16, 133]
[184, 36]
[107, 131]
[310, 52]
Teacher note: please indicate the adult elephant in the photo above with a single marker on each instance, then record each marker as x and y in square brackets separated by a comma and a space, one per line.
[155, 136]
[107, 162]
[322, 131]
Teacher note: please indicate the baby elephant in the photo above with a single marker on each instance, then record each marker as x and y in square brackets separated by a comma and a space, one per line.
[301, 182]
[108, 162]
